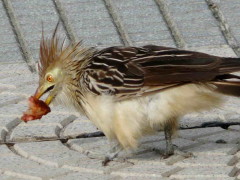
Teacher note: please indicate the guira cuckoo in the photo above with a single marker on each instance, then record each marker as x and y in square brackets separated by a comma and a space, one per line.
[130, 92]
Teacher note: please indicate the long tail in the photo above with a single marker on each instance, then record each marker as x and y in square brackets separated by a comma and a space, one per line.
[228, 84]
[229, 65]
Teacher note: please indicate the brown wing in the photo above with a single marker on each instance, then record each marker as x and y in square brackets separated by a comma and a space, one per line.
[130, 71]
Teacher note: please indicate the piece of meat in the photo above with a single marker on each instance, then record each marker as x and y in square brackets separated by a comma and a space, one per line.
[37, 108]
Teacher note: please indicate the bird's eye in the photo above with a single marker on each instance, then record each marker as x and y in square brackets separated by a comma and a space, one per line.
[50, 78]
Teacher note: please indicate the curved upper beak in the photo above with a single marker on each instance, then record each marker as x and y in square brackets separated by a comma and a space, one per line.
[42, 90]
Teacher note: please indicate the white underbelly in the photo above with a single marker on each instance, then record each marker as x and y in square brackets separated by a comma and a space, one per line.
[135, 117]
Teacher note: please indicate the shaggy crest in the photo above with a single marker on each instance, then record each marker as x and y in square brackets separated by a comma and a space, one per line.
[53, 52]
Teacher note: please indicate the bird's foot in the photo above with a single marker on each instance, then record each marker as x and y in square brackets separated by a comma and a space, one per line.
[104, 158]
[173, 151]
[178, 152]
[108, 158]
[184, 154]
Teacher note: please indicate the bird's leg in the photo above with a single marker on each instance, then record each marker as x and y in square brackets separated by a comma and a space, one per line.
[169, 146]
[113, 153]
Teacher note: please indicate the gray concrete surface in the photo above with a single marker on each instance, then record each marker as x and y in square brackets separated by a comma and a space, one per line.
[211, 26]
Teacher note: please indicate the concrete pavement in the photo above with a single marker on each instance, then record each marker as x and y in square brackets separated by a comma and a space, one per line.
[211, 26]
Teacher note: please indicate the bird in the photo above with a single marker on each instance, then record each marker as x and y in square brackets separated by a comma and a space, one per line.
[132, 92]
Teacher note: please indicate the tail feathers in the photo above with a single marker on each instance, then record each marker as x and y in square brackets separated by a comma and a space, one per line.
[229, 65]
[226, 85]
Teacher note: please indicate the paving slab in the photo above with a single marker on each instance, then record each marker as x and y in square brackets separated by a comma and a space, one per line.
[230, 11]
[193, 19]
[210, 172]
[150, 27]
[21, 167]
[30, 14]
[9, 48]
[93, 24]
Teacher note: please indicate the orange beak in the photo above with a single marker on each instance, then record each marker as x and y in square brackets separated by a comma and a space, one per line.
[40, 91]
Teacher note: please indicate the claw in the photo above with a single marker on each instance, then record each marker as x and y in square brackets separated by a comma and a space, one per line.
[106, 161]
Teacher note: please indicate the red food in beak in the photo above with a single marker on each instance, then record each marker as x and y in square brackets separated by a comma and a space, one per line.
[37, 108]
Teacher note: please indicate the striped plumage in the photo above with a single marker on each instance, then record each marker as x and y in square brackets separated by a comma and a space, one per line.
[136, 71]
[129, 92]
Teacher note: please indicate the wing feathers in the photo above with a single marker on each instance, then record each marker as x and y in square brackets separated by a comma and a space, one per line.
[128, 72]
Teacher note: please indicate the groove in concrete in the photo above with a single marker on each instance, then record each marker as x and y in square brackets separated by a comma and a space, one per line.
[64, 123]
[19, 152]
[234, 150]
[118, 23]
[193, 138]
[20, 175]
[172, 171]
[11, 126]
[62, 14]
[19, 36]
[225, 29]
[177, 37]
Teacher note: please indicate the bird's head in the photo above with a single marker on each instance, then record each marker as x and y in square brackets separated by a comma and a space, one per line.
[59, 65]
[50, 81]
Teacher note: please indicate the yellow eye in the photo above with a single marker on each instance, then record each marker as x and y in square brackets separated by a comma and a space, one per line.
[50, 78]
